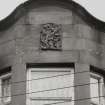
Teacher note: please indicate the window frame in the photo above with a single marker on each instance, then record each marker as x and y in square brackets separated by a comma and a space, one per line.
[4, 76]
[101, 87]
[42, 69]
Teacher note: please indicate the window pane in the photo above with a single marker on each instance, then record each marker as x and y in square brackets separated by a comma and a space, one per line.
[54, 87]
[96, 89]
[52, 84]
[6, 89]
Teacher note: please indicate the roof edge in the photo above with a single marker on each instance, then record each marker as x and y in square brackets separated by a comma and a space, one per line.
[77, 8]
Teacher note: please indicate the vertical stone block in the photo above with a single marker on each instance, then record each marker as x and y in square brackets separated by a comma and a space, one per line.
[19, 84]
[81, 81]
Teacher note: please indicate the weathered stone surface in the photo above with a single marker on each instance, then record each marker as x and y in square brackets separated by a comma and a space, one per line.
[19, 84]
[27, 44]
[7, 48]
[73, 44]
[81, 45]
[82, 81]
[51, 56]
[52, 15]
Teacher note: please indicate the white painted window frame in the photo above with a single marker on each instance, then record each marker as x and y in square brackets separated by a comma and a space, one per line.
[29, 70]
[3, 76]
[101, 88]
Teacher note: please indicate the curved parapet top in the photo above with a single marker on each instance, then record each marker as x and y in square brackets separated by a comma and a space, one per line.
[22, 9]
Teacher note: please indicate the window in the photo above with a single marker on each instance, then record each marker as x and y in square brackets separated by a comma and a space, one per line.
[48, 86]
[5, 89]
[97, 89]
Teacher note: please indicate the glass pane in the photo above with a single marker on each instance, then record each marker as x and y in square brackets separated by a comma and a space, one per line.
[94, 86]
[52, 84]
[6, 89]
[48, 88]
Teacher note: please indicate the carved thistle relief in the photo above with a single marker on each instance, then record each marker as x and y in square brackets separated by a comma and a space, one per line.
[51, 37]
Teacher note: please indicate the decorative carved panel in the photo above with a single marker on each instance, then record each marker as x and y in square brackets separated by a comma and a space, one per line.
[51, 37]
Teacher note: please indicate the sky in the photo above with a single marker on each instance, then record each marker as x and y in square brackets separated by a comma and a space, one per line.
[95, 7]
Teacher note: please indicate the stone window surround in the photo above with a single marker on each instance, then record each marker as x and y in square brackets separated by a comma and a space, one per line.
[41, 67]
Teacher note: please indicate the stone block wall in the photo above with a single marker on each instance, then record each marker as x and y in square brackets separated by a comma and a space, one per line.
[81, 44]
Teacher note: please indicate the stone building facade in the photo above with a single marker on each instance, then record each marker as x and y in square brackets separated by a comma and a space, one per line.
[52, 38]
